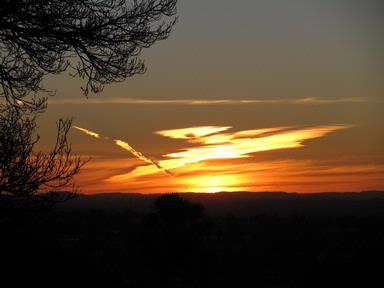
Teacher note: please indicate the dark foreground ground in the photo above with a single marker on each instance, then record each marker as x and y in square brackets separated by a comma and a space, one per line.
[229, 240]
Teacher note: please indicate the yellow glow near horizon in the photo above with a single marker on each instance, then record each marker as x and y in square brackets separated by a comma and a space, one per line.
[213, 143]
[212, 184]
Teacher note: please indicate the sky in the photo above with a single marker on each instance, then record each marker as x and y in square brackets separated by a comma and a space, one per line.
[269, 95]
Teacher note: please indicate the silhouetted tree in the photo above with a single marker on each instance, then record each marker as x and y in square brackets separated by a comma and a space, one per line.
[99, 39]
[24, 172]
[173, 208]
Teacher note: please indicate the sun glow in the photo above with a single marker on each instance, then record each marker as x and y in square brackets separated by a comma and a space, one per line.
[226, 157]
[213, 184]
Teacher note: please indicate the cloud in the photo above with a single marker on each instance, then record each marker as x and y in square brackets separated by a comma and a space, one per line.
[206, 102]
[127, 147]
[215, 158]
[193, 132]
[215, 144]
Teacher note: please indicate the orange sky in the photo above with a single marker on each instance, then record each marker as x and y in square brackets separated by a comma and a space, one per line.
[217, 159]
[244, 95]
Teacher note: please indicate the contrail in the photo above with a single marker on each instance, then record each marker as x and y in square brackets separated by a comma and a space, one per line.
[139, 155]
[126, 147]
[88, 132]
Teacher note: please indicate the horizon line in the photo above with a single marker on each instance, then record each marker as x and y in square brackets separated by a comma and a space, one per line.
[222, 192]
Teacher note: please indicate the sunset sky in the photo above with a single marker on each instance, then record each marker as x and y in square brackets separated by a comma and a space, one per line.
[269, 95]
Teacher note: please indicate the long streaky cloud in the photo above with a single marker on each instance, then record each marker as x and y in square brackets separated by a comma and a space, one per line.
[202, 102]
[216, 142]
[127, 147]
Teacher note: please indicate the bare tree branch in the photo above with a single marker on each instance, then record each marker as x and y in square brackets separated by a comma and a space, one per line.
[100, 40]
[24, 172]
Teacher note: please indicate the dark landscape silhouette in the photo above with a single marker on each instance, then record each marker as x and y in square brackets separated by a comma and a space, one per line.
[197, 240]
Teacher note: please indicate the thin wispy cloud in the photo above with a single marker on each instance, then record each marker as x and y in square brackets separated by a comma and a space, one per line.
[205, 102]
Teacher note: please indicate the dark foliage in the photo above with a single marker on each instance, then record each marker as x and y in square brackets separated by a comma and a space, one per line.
[100, 40]
[173, 208]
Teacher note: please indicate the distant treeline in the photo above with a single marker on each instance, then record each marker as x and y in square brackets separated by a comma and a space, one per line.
[243, 203]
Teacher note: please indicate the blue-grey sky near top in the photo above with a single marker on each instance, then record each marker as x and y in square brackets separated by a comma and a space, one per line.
[267, 48]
